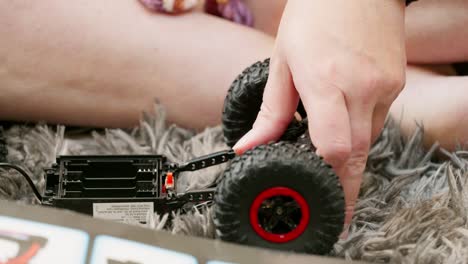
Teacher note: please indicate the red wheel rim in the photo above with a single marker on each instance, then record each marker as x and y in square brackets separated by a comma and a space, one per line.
[279, 192]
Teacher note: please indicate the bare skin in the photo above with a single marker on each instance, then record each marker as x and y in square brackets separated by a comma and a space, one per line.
[436, 31]
[100, 63]
[91, 68]
[347, 71]
[54, 56]
[438, 102]
[435, 36]
[434, 96]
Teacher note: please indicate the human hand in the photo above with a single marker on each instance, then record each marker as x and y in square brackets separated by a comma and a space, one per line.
[346, 61]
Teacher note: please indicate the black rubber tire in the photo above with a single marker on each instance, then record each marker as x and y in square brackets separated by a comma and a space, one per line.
[3, 147]
[280, 164]
[243, 102]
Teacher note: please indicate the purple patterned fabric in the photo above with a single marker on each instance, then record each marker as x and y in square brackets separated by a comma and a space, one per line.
[236, 11]
[153, 5]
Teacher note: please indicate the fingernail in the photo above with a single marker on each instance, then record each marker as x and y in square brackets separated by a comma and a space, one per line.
[239, 147]
[237, 151]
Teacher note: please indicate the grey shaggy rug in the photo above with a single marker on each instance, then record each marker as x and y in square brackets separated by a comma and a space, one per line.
[412, 208]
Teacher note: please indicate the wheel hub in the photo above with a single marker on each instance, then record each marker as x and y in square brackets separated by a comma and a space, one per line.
[279, 214]
[279, 210]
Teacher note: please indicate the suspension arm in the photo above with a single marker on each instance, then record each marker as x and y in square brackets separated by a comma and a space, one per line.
[207, 161]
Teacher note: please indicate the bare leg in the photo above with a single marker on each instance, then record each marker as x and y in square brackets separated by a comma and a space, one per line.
[435, 98]
[438, 102]
[101, 63]
[436, 31]
[84, 64]
[267, 14]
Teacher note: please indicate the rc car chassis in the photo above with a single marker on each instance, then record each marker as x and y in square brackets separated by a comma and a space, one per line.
[79, 182]
[279, 195]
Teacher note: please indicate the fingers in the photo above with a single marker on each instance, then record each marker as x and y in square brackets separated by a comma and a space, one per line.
[280, 100]
[329, 125]
[361, 119]
[378, 121]
[340, 128]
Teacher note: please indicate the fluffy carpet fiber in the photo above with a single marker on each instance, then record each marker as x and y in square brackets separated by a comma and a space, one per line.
[412, 208]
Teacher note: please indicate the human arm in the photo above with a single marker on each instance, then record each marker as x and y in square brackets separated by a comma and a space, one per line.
[346, 61]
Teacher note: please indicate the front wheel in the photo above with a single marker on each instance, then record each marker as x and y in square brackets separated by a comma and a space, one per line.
[280, 196]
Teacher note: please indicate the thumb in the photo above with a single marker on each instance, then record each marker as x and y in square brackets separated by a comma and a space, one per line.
[280, 100]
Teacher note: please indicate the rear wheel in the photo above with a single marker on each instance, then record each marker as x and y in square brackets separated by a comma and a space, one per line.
[280, 196]
[3, 148]
[243, 102]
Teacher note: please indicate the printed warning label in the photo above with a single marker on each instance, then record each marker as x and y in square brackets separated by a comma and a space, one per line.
[123, 212]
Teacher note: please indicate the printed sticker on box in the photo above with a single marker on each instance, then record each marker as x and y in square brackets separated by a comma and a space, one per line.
[112, 250]
[23, 241]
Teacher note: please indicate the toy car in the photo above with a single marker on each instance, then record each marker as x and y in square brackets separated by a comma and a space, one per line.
[279, 195]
